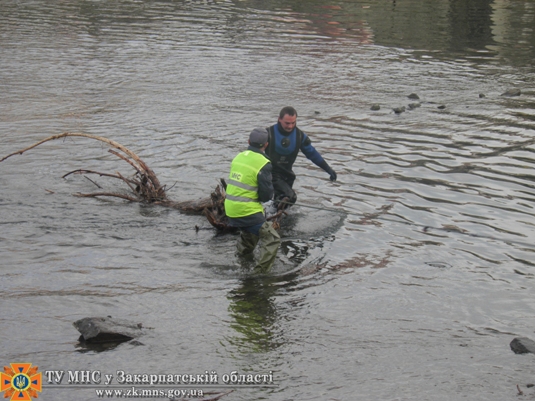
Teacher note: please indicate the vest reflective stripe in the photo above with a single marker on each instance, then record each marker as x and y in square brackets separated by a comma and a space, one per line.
[242, 186]
[240, 198]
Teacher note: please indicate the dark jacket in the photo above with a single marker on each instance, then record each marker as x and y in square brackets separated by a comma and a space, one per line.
[284, 147]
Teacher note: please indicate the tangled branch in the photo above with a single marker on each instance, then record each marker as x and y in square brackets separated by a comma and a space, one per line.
[144, 185]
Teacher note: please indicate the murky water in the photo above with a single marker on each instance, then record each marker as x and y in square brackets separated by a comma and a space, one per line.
[409, 285]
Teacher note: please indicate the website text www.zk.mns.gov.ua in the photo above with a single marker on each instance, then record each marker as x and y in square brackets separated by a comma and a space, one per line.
[134, 392]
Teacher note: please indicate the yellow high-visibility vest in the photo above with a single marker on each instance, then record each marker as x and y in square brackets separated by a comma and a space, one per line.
[242, 185]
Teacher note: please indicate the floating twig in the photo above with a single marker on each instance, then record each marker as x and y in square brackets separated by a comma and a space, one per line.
[520, 392]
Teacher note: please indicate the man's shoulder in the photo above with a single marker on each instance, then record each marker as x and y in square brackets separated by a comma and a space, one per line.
[302, 137]
[268, 165]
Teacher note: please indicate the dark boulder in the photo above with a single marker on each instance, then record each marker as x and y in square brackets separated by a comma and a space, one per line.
[107, 329]
[522, 345]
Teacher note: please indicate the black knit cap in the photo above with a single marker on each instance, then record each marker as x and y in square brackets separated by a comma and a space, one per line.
[258, 137]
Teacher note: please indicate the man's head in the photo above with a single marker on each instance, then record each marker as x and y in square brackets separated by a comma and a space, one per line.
[258, 138]
[288, 118]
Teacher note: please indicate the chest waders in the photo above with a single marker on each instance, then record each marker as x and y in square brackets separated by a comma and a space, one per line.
[282, 151]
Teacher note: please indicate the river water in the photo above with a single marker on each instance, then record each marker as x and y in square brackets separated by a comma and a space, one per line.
[408, 285]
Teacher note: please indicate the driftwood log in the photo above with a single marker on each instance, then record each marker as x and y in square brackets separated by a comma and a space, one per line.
[146, 188]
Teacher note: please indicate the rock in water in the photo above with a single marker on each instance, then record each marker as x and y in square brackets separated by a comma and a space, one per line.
[512, 92]
[522, 345]
[107, 329]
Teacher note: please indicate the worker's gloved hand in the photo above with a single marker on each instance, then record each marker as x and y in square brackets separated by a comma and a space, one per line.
[332, 174]
[328, 170]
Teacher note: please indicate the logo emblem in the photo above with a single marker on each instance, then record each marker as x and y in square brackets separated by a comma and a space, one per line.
[20, 381]
[236, 176]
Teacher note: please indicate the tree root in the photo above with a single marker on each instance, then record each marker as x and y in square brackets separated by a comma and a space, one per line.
[144, 185]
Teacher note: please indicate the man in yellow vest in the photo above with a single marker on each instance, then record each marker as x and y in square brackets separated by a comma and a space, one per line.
[248, 186]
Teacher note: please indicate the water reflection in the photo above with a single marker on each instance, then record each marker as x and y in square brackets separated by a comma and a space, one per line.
[470, 24]
[482, 28]
[87, 346]
[257, 319]
[253, 310]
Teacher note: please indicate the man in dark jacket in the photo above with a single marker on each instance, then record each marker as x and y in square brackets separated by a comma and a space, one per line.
[285, 141]
[249, 185]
